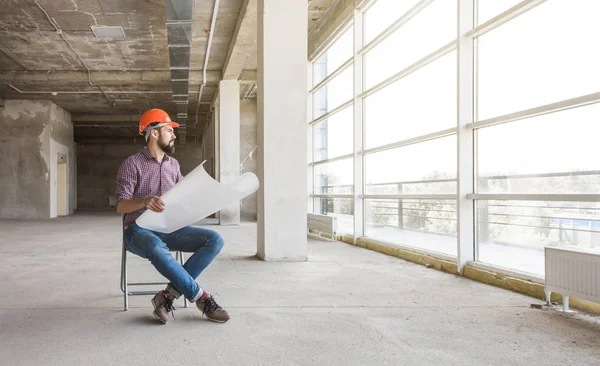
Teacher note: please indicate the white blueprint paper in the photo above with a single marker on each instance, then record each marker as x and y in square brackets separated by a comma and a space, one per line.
[195, 197]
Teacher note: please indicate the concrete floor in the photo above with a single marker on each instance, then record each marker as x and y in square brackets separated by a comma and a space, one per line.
[61, 304]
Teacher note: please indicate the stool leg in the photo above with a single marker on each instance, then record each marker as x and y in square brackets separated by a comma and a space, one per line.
[121, 282]
[124, 286]
[124, 283]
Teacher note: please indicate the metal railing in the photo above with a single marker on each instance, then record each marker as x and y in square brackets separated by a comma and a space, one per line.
[421, 214]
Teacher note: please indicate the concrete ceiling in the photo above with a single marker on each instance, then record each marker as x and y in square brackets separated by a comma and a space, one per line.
[316, 8]
[36, 59]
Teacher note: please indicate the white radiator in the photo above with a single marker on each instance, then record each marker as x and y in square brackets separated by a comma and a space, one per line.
[323, 224]
[572, 271]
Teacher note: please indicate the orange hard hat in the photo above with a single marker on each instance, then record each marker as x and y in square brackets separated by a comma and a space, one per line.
[155, 115]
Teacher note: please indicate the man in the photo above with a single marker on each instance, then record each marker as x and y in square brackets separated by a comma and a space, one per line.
[141, 180]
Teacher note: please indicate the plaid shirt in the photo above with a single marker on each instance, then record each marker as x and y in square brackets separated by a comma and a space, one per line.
[141, 176]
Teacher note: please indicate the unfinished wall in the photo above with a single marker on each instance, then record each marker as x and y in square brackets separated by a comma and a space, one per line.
[248, 153]
[61, 141]
[98, 164]
[207, 147]
[29, 131]
[189, 156]
[97, 167]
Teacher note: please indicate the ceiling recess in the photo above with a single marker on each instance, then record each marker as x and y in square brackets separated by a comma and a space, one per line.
[102, 31]
[122, 103]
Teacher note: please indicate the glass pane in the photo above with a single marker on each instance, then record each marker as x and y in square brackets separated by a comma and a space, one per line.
[553, 153]
[487, 9]
[426, 224]
[334, 93]
[420, 103]
[425, 168]
[429, 30]
[339, 52]
[309, 145]
[382, 14]
[334, 178]
[333, 136]
[512, 234]
[530, 61]
[341, 208]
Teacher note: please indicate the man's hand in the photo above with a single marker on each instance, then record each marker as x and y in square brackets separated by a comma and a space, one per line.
[154, 203]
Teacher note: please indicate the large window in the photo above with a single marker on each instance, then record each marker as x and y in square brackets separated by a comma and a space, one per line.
[530, 61]
[542, 157]
[384, 13]
[428, 30]
[496, 128]
[409, 126]
[331, 170]
[424, 224]
[512, 234]
[333, 136]
[424, 168]
[543, 154]
[406, 109]
[334, 177]
[333, 94]
[427, 168]
[336, 56]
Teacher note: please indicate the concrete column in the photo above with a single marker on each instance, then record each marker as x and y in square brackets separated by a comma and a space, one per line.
[215, 142]
[282, 124]
[229, 144]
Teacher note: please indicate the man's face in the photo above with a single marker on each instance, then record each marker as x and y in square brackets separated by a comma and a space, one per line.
[166, 139]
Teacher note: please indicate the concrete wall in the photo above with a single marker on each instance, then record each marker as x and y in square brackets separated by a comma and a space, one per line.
[61, 141]
[189, 156]
[29, 134]
[97, 167]
[248, 153]
[98, 164]
[207, 147]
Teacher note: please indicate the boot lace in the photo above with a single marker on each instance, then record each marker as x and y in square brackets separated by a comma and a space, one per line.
[168, 305]
[210, 305]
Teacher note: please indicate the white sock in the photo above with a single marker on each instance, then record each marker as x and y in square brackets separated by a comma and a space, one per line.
[199, 295]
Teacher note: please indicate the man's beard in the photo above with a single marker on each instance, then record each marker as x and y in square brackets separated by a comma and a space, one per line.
[167, 148]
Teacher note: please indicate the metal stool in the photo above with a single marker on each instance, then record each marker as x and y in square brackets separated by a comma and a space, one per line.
[125, 285]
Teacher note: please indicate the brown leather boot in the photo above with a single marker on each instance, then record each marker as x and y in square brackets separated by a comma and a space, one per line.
[163, 305]
[209, 308]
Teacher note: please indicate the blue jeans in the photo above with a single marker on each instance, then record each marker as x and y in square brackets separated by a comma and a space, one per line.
[155, 246]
